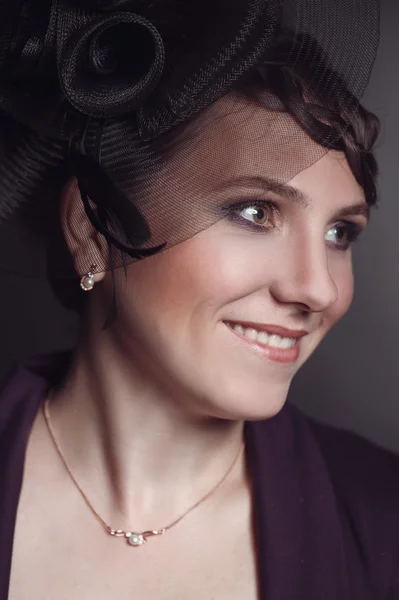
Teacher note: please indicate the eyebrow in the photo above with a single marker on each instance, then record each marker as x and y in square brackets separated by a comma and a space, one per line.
[361, 209]
[268, 184]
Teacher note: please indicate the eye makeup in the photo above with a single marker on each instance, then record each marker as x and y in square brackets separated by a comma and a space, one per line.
[262, 216]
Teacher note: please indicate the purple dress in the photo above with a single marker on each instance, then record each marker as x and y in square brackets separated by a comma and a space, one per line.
[326, 502]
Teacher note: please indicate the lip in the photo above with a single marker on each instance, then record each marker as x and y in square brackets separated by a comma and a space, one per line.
[271, 329]
[286, 356]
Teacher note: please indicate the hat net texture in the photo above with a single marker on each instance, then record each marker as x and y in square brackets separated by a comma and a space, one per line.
[152, 107]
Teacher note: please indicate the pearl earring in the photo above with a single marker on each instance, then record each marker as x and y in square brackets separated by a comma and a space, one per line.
[87, 282]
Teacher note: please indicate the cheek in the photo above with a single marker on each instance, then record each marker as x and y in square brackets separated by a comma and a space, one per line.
[170, 307]
[200, 275]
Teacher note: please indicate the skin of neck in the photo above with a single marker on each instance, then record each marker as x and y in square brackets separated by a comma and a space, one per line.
[136, 440]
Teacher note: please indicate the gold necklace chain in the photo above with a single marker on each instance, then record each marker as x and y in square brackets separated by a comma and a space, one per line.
[133, 538]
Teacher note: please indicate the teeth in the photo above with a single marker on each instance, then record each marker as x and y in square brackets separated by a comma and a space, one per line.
[263, 338]
[286, 343]
[251, 334]
[275, 341]
[239, 329]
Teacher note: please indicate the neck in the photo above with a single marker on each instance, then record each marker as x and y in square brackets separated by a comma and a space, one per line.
[137, 445]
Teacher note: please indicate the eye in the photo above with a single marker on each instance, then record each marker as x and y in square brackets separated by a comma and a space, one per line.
[343, 235]
[257, 214]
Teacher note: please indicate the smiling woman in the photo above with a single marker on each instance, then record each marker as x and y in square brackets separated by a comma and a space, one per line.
[204, 179]
[280, 259]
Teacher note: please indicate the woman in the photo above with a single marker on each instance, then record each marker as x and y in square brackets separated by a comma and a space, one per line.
[160, 457]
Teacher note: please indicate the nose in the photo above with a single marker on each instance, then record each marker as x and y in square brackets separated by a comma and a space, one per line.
[304, 278]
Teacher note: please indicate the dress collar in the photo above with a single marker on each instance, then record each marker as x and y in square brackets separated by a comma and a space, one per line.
[299, 536]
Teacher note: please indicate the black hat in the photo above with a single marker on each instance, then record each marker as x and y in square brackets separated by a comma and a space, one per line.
[126, 96]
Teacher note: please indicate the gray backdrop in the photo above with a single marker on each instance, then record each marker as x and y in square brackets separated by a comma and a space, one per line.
[353, 379]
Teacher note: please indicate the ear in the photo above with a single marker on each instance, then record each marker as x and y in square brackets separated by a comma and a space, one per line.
[86, 246]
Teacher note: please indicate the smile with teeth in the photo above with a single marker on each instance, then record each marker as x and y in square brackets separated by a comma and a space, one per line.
[263, 338]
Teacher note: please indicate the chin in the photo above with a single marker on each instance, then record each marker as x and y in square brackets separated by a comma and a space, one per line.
[249, 402]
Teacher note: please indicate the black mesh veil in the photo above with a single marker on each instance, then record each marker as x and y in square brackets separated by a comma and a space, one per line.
[138, 99]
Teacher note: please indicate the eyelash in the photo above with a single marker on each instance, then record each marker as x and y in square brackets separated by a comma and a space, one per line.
[234, 210]
[352, 230]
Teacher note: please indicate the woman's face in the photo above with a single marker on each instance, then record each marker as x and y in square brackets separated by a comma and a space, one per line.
[230, 315]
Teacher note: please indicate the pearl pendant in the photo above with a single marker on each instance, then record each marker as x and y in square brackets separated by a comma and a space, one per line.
[135, 539]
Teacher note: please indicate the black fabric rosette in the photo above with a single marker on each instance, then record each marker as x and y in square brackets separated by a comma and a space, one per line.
[66, 67]
[63, 63]
[109, 65]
